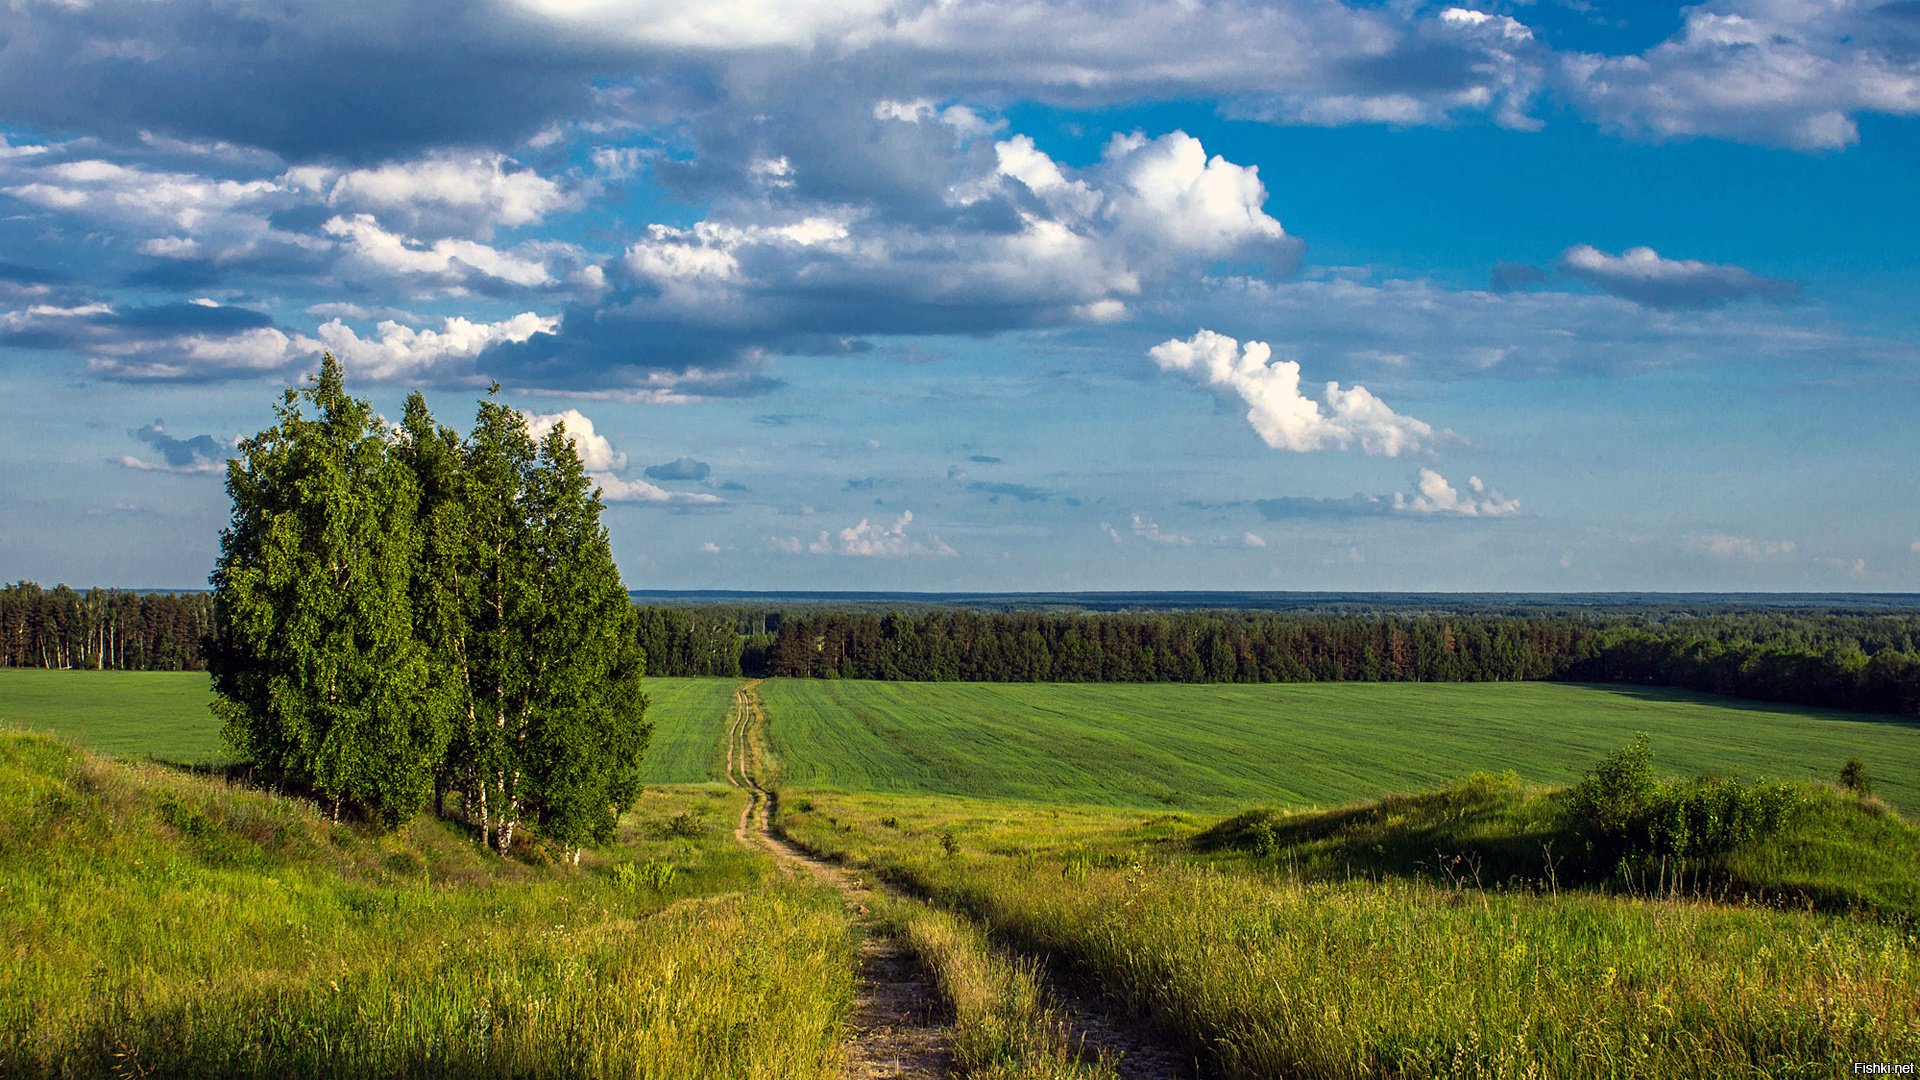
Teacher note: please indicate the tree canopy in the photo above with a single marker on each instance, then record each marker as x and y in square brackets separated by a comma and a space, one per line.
[401, 613]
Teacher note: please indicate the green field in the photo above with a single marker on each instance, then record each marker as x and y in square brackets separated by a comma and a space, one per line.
[164, 714]
[1219, 747]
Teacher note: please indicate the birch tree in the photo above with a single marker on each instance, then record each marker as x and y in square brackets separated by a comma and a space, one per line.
[319, 673]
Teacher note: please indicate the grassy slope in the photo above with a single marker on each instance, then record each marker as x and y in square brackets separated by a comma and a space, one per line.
[1321, 975]
[159, 922]
[164, 714]
[1218, 747]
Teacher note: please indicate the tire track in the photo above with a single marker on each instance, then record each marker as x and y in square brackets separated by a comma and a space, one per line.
[901, 1026]
[899, 1010]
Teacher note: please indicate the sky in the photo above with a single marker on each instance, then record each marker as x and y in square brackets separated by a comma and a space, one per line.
[1012, 295]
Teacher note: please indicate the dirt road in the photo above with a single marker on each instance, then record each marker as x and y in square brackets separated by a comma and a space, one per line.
[901, 1027]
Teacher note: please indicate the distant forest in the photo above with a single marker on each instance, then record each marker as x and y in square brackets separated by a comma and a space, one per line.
[1846, 660]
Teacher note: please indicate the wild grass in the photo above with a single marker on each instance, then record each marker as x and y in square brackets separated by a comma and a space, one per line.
[1271, 971]
[165, 715]
[163, 923]
[1005, 1027]
[1221, 747]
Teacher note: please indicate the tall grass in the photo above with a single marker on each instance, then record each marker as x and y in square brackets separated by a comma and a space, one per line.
[1005, 1028]
[158, 923]
[1270, 974]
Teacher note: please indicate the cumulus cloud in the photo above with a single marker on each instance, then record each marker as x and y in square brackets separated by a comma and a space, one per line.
[197, 455]
[1644, 277]
[449, 262]
[867, 538]
[458, 193]
[1285, 418]
[602, 462]
[195, 340]
[1433, 494]
[1014, 240]
[399, 351]
[1723, 546]
[1783, 72]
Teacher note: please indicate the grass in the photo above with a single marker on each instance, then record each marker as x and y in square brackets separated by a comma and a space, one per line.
[159, 922]
[159, 714]
[1270, 972]
[164, 715]
[1223, 747]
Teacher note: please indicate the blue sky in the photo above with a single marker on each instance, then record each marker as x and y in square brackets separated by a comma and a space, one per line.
[1018, 295]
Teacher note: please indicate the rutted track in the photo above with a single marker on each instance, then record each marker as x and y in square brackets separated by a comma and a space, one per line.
[900, 1023]
[899, 1026]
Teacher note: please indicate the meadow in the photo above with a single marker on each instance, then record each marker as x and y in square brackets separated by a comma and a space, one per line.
[1282, 879]
[164, 715]
[161, 922]
[1222, 747]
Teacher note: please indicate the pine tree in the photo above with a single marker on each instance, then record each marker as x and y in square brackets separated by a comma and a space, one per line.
[315, 659]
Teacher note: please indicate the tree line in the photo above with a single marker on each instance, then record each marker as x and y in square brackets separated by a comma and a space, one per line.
[102, 629]
[403, 615]
[1836, 660]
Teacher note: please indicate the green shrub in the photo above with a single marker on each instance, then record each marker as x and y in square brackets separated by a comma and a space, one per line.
[1626, 810]
[1853, 777]
[1615, 797]
[686, 823]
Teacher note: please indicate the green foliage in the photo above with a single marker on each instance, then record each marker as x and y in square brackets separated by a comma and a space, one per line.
[405, 612]
[1625, 808]
[686, 823]
[320, 674]
[1615, 801]
[1853, 777]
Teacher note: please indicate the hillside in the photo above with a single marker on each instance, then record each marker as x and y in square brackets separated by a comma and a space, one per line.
[161, 922]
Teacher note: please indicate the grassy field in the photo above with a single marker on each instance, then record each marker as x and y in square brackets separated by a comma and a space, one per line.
[1277, 966]
[164, 715]
[1220, 747]
[163, 923]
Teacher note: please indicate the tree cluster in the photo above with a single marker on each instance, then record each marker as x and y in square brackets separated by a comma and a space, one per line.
[102, 629]
[402, 614]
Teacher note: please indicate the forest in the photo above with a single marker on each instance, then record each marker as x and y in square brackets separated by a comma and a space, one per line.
[1837, 659]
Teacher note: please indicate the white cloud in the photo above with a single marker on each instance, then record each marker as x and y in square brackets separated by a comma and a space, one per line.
[1723, 546]
[869, 539]
[451, 259]
[617, 489]
[1285, 418]
[1783, 72]
[1435, 495]
[402, 351]
[261, 349]
[459, 193]
[596, 451]
[1253, 540]
[202, 468]
[1151, 532]
[1113, 534]
[1169, 191]
[600, 459]
[1643, 276]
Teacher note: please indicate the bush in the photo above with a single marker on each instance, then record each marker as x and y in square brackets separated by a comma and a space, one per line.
[686, 823]
[1617, 794]
[1624, 808]
[1853, 777]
